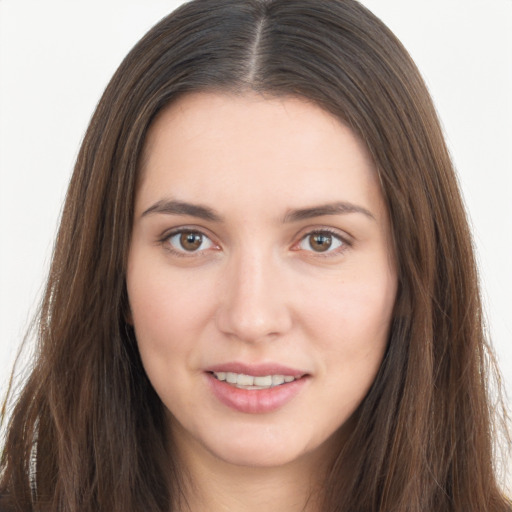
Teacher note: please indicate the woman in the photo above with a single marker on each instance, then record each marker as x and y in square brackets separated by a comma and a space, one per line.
[263, 292]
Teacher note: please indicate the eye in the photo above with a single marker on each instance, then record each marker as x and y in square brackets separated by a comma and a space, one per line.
[321, 242]
[188, 241]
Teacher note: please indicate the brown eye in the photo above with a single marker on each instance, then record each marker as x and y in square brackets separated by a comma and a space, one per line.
[321, 241]
[189, 242]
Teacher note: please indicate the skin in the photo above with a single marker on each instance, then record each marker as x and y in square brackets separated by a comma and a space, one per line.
[259, 288]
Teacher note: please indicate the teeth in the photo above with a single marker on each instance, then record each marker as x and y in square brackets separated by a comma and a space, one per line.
[277, 379]
[245, 380]
[231, 377]
[265, 381]
[240, 380]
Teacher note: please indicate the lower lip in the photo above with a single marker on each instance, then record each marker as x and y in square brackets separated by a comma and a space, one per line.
[255, 401]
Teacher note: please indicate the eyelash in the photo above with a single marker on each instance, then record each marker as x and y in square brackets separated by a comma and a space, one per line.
[183, 253]
[344, 242]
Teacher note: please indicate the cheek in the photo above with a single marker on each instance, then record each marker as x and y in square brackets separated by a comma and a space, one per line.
[354, 327]
[353, 316]
[168, 310]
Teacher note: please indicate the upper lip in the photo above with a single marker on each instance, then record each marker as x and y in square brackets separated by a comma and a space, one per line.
[256, 370]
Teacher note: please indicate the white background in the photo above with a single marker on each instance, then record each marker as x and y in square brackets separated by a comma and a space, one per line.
[56, 57]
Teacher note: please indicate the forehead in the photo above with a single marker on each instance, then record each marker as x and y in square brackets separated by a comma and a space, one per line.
[248, 148]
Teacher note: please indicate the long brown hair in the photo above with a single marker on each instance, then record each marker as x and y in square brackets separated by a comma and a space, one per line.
[86, 432]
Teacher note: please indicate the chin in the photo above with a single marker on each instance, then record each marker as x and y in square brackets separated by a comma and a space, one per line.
[257, 456]
[265, 446]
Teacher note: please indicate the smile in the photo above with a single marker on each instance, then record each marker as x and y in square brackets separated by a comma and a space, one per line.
[243, 381]
[273, 387]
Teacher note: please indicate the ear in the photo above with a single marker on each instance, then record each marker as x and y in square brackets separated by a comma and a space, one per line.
[125, 307]
[128, 318]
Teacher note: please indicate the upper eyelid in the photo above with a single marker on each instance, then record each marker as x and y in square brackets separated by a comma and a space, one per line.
[339, 233]
[297, 238]
[171, 232]
[344, 242]
[164, 241]
[167, 233]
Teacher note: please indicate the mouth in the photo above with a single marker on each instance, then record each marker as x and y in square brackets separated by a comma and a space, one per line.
[256, 389]
[252, 382]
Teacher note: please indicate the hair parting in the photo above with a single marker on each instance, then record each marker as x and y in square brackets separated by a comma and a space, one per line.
[424, 434]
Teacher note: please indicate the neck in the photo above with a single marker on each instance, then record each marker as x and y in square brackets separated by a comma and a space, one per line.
[251, 490]
[211, 484]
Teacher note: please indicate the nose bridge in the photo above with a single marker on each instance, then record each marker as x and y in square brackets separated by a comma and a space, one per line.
[253, 301]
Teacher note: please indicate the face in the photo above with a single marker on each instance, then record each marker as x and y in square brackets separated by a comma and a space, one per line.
[260, 276]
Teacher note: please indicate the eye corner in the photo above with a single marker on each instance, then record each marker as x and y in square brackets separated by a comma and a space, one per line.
[201, 243]
[336, 243]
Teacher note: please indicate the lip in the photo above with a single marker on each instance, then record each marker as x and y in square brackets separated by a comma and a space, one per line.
[256, 370]
[256, 401]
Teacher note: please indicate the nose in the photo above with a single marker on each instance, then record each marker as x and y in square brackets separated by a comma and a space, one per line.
[254, 300]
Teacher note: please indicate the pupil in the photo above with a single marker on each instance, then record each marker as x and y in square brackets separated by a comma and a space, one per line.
[320, 243]
[191, 241]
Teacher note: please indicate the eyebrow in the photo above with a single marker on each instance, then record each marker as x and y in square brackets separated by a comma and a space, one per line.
[172, 207]
[338, 208]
